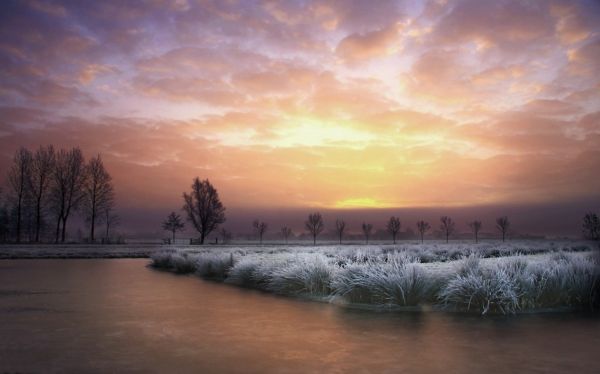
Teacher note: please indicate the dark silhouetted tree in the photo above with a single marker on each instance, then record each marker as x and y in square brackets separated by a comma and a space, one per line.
[173, 223]
[393, 227]
[19, 178]
[314, 225]
[475, 227]
[286, 232]
[4, 220]
[42, 168]
[226, 235]
[111, 220]
[503, 224]
[98, 193]
[204, 208]
[367, 228]
[423, 227]
[67, 187]
[447, 226]
[340, 227]
[591, 226]
[260, 228]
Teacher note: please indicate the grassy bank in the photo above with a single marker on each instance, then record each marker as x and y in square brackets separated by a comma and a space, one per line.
[479, 278]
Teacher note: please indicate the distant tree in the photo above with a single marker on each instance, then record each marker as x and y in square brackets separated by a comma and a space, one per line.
[393, 227]
[502, 224]
[423, 227]
[314, 225]
[67, 192]
[475, 228]
[286, 232]
[42, 168]
[19, 178]
[226, 235]
[447, 226]
[98, 193]
[111, 220]
[367, 228]
[260, 228]
[4, 223]
[173, 223]
[340, 227]
[204, 208]
[591, 226]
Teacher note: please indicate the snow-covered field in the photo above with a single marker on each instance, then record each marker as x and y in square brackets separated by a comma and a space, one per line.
[490, 277]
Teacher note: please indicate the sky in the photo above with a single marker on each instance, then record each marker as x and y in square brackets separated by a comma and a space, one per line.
[293, 106]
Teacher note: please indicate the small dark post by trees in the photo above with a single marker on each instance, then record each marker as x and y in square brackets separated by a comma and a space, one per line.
[260, 228]
[447, 226]
[286, 232]
[98, 193]
[19, 178]
[314, 225]
[503, 224]
[204, 208]
[41, 177]
[340, 227]
[367, 228]
[393, 227]
[423, 227]
[475, 228]
[173, 224]
[591, 226]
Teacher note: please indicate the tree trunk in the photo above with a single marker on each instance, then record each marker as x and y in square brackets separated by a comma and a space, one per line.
[173, 236]
[447, 237]
[19, 220]
[57, 230]
[64, 230]
[314, 240]
[202, 237]
[421, 238]
[38, 219]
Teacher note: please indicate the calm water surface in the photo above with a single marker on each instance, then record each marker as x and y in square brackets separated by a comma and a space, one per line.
[120, 316]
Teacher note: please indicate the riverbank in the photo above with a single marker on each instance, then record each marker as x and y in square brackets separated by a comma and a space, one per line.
[497, 278]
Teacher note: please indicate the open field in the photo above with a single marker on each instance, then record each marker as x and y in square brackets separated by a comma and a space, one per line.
[491, 277]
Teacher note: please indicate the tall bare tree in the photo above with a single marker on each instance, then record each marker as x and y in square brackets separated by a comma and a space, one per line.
[41, 178]
[591, 226]
[19, 178]
[67, 192]
[475, 227]
[423, 227]
[314, 225]
[393, 227]
[111, 220]
[286, 232]
[204, 208]
[367, 228]
[340, 227]
[260, 228]
[503, 224]
[447, 226]
[173, 224]
[98, 193]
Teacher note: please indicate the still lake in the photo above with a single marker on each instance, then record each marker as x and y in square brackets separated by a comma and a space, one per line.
[118, 315]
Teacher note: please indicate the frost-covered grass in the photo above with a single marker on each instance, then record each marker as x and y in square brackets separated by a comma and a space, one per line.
[486, 278]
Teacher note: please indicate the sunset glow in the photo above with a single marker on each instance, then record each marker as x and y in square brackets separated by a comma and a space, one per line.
[313, 104]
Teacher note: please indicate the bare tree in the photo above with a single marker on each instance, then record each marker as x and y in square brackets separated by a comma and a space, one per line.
[67, 192]
[19, 178]
[340, 227]
[226, 235]
[98, 193]
[204, 208]
[423, 227]
[41, 177]
[447, 226]
[260, 228]
[314, 225]
[475, 228]
[591, 226]
[173, 224]
[393, 227]
[286, 232]
[367, 228]
[502, 224]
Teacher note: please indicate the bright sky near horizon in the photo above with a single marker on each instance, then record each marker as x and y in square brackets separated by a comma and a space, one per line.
[332, 104]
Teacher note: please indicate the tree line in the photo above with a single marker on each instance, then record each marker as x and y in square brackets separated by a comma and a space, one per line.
[206, 212]
[45, 188]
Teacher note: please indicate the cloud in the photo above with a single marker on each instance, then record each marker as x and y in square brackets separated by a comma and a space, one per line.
[369, 45]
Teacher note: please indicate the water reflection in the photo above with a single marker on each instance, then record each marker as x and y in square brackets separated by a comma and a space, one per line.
[119, 315]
